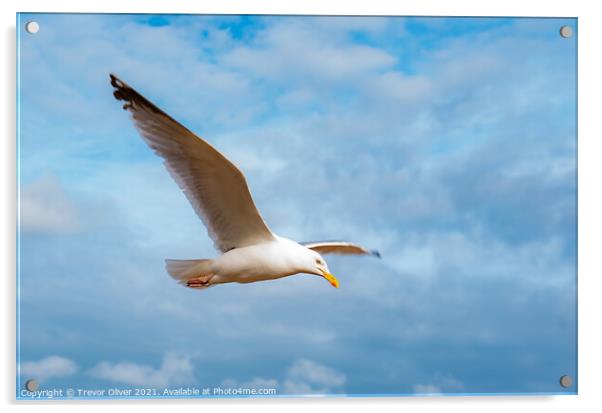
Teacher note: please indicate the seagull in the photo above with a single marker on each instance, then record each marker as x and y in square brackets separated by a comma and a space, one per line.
[220, 196]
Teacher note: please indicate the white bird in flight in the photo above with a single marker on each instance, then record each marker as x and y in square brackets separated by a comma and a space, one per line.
[218, 192]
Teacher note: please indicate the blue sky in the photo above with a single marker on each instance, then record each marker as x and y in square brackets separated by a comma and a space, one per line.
[448, 144]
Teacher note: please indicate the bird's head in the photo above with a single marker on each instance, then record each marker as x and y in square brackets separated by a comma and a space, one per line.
[317, 265]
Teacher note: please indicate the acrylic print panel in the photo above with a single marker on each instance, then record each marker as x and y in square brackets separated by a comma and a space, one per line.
[448, 145]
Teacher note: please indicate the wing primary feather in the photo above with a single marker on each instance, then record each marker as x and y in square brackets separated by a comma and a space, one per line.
[214, 186]
[339, 247]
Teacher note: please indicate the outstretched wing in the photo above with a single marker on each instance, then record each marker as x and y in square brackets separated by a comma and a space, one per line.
[339, 247]
[215, 187]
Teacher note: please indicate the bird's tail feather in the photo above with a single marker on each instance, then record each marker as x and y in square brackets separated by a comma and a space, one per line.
[184, 270]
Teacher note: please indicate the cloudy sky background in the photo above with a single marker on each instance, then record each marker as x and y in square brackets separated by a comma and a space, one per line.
[448, 144]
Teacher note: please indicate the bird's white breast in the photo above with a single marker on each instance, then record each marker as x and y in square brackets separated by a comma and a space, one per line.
[265, 261]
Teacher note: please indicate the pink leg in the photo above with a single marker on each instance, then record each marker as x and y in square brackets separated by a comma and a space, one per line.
[200, 282]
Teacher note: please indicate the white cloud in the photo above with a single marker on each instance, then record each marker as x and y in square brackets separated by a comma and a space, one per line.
[46, 207]
[49, 367]
[415, 261]
[175, 369]
[306, 376]
[399, 88]
[292, 48]
[440, 383]
[302, 377]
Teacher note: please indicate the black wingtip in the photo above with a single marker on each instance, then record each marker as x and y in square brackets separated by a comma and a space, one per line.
[376, 254]
[121, 91]
[115, 81]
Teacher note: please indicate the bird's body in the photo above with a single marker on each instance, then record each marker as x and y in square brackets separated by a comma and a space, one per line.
[268, 260]
[219, 194]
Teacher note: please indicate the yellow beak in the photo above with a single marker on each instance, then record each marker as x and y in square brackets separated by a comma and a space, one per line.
[331, 279]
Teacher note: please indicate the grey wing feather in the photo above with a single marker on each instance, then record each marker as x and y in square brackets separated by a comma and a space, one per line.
[215, 187]
[339, 247]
